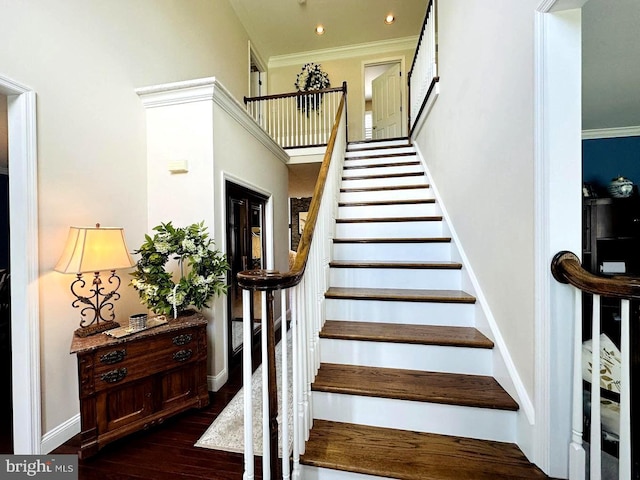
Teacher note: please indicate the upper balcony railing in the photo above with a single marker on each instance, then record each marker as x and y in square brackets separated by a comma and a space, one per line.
[298, 119]
[423, 75]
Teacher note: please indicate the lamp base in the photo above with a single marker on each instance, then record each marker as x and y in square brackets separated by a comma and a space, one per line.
[96, 328]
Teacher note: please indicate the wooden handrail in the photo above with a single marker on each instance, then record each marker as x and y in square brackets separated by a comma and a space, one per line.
[295, 94]
[275, 280]
[566, 268]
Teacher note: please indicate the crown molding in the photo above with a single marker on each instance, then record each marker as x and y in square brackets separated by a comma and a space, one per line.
[547, 6]
[349, 51]
[596, 133]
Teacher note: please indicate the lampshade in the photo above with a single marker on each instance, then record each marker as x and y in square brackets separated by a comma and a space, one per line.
[94, 249]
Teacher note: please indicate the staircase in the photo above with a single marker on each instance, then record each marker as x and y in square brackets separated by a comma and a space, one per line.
[405, 387]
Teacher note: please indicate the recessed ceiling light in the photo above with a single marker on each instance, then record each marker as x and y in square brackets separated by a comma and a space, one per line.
[320, 29]
[389, 19]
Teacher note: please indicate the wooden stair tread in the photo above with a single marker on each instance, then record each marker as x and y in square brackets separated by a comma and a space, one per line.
[384, 175]
[400, 294]
[375, 203]
[409, 455]
[414, 385]
[431, 218]
[404, 333]
[430, 265]
[394, 240]
[384, 188]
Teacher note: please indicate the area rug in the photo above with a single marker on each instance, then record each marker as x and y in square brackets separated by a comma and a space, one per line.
[227, 430]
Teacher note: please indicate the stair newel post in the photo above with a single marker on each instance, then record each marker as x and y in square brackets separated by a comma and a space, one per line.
[246, 380]
[269, 390]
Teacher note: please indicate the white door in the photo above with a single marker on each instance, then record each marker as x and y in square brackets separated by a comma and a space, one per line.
[386, 104]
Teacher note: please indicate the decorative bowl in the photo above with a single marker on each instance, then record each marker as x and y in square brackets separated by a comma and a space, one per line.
[621, 187]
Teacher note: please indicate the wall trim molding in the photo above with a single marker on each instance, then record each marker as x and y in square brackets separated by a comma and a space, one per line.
[596, 133]
[208, 89]
[25, 310]
[60, 434]
[349, 51]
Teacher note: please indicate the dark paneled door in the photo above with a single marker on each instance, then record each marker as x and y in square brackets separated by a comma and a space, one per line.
[245, 250]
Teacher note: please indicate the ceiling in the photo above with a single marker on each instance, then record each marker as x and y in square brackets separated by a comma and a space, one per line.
[283, 27]
[610, 64]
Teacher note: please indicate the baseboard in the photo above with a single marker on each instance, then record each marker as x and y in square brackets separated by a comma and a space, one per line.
[216, 382]
[60, 434]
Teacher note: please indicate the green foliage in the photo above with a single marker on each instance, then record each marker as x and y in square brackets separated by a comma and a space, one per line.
[205, 267]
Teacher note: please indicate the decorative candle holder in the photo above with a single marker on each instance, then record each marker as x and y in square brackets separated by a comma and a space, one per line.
[138, 321]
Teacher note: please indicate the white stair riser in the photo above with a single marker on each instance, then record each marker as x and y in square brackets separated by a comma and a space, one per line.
[378, 195]
[447, 279]
[417, 313]
[384, 182]
[431, 358]
[424, 229]
[382, 211]
[317, 473]
[392, 251]
[480, 423]
[376, 147]
[350, 162]
[391, 170]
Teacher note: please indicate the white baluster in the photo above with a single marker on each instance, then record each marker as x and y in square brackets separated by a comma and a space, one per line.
[284, 415]
[595, 392]
[246, 381]
[577, 456]
[266, 444]
[625, 395]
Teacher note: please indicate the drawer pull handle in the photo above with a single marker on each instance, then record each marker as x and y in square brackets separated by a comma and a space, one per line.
[180, 340]
[114, 356]
[182, 355]
[114, 375]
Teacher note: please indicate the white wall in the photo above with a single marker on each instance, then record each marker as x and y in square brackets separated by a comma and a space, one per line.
[478, 144]
[4, 133]
[84, 60]
[199, 122]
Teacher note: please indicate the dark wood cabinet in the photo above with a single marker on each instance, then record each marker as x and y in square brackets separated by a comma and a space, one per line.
[138, 381]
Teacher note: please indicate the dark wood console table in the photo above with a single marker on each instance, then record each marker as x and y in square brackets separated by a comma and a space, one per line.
[136, 382]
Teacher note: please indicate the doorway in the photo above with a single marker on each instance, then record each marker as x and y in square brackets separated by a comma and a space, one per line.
[6, 403]
[245, 251]
[384, 97]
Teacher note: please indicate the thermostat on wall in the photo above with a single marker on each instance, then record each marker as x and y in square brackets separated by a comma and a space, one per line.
[178, 166]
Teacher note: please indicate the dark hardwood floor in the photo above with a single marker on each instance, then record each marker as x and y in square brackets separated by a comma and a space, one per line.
[166, 452]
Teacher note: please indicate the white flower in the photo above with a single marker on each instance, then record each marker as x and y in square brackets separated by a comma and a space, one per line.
[179, 297]
[162, 246]
[189, 245]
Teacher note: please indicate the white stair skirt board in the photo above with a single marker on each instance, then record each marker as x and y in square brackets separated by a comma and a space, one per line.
[448, 279]
[382, 170]
[382, 229]
[392, 251]
[379, 195]
[318, 473]
[383, 211]
[384, 182]
[416, 313]
[472, 422]
[431, 358]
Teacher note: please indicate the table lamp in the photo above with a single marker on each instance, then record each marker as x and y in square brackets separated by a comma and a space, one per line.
[95, 249]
